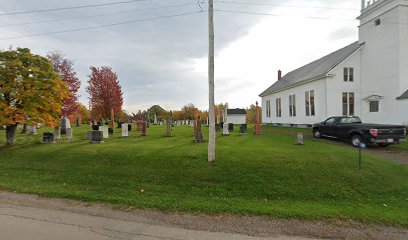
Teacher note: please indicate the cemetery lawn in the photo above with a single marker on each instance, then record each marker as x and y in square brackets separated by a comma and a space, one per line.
[403, 146]
[264, 175]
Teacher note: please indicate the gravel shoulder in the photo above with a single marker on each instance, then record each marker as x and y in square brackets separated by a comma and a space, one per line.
[253, 227]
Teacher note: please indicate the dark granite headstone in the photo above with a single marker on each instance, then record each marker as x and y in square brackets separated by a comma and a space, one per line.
[97, 137]
[48, 137]
[95, 127]
[199, 134]
[110, 131]
[230, 127]
[242, 129]
[129, 127]
[64, 125]
[120, 124]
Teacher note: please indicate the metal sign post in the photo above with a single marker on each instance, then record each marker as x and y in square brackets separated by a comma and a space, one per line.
[362, 146]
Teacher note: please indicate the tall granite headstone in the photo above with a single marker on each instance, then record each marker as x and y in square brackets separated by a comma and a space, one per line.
[64, 125]
[199, 134]
[70, 134]
[125, 132]
[257, 130]
[225, 130]
[57, 132]
[169, 131]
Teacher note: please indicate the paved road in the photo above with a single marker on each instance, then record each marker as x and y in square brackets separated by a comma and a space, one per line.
[24, 216]
[20, 222]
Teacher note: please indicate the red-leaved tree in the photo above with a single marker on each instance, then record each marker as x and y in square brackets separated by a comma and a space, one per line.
[64, 67]
[105, 92]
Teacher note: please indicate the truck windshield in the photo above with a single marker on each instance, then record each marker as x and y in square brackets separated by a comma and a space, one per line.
[350, 120]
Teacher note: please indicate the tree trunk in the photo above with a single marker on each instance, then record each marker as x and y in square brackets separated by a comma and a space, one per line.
[11, 132]
[211, 113]
[24, 131]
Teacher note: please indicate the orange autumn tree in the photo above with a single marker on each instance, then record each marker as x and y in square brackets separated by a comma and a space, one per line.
[105, 92]
[30, 91]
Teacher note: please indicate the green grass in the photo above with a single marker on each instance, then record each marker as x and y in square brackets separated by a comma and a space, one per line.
[254, 175]
[403, 145]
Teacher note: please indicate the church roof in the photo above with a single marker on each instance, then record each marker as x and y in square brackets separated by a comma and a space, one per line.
[313, 70]
[404, 95]
[236, 111]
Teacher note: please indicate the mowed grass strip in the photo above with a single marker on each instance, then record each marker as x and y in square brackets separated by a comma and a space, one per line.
[252, 175]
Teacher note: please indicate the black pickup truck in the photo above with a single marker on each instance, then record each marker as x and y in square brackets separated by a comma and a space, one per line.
[351, 128]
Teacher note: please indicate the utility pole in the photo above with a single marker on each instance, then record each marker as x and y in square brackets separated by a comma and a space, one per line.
[211, 113]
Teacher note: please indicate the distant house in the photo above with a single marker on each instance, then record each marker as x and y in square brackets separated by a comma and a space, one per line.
[368, 78]
[236, 116]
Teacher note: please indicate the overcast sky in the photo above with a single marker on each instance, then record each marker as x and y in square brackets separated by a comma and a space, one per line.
[164, 61]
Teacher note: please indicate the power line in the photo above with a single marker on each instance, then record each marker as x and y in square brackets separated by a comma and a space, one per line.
[283, 5]
[101, 26]
[70, 8]
[278, 15]
[96, 15]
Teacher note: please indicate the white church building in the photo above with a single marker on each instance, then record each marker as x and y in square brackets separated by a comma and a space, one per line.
[368, 78]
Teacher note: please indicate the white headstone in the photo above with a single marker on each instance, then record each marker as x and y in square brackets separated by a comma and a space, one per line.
[70, 134]
[125, 132]
[105, 131]
[155, 119]
[57, 133]
[33, 130]
[225, 131]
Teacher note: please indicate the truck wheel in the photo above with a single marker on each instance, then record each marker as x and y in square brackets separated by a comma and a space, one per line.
[356, 140]
[316, 133]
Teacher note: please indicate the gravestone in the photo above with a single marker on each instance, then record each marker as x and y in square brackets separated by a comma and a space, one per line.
[155, 119]
[110, 131]
[169, 132]
[64, 125]
[119, 125]
[230, 127]
[199, 134]
[225, 126]
[257, 130]
[78, 122]
[33, 130]
[48, 137]
[57, 133]
[70, 134]
[97, 137]
[129, 126]
[148, 120]
[125, 131]
[95, 127]
[144, 129]
[299, 138]
[242, 129]
[161, 123]
[88, 135]
[104, 131]
[195, 127]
